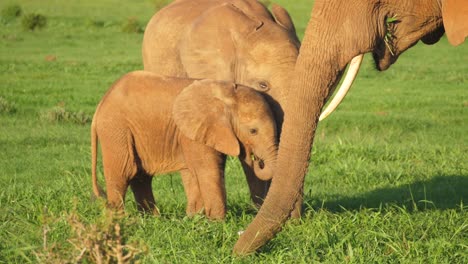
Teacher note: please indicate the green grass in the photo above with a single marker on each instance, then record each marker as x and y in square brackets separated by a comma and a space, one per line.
[388, 181]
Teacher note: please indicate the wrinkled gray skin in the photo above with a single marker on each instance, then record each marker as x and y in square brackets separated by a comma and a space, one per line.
[233, 40]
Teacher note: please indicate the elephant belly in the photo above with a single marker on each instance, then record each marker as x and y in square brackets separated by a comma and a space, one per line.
[165, 166]
[158, 155]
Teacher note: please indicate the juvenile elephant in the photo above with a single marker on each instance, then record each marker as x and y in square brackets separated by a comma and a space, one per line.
[150, 124]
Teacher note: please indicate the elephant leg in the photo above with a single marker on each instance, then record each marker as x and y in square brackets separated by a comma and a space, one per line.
[119, 167]
[116, 193]
[258, 188]
[210, 175]
[141, 187]
[207, 166]
[192, 191]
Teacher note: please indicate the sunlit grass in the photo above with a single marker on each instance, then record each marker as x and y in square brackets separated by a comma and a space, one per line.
[387, 184]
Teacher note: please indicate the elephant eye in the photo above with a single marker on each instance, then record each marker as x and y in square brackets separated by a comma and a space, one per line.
[263, 86]
[253, 131]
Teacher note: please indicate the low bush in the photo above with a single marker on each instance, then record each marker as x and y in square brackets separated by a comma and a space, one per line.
[60, 114]
[101, 242]
[7, 107]
[10, 13]
[132, 25]
[33, 21]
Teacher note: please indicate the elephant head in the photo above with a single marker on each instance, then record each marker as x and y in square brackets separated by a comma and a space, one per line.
[338, 31]
[233, 119]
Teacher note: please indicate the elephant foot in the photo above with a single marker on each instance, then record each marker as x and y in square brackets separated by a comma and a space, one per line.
[194, 208]
[215, 213]
[149, 208]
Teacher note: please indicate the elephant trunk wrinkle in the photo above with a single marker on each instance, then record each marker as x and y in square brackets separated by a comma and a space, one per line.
[294, 154]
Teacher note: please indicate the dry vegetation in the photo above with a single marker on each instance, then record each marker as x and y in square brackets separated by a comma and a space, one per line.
[387, 183]
[101, 242]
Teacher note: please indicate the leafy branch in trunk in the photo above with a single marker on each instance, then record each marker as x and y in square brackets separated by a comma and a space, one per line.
[390, 32]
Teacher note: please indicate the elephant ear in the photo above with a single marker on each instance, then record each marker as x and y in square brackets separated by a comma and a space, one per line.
[283, 18]
[202, 112]
[455, 16]
[208, 49]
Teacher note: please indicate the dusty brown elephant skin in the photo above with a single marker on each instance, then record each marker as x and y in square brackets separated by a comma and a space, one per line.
[338, 31]
[147, 124]
[251, 47]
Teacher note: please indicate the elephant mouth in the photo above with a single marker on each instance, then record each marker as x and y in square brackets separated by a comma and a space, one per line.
[383, 57]
[259, 161]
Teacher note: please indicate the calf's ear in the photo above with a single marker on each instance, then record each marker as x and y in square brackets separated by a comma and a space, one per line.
[455, 16]
[202, 113]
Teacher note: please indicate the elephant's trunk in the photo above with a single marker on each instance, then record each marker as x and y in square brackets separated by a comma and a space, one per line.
[316, 74]
[264, 165]
[292, 164]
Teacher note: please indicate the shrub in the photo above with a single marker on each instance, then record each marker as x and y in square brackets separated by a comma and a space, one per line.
[9, 13]
[33, 21]
[131, 25]
[101, 242]
[7, 107]
[60, 114]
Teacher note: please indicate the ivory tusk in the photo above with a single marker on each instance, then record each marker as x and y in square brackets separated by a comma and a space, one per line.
[353, 70]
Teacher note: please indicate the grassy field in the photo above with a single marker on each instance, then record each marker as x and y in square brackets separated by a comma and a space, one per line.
[388, 180]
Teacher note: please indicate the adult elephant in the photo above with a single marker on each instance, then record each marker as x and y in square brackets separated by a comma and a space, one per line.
[338, 31]
[233, 40]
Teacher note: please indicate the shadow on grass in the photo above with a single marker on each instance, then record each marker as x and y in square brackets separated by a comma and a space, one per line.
[441, 192]
[438, 193]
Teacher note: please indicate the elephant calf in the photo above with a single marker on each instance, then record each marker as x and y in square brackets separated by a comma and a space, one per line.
[149, 124]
